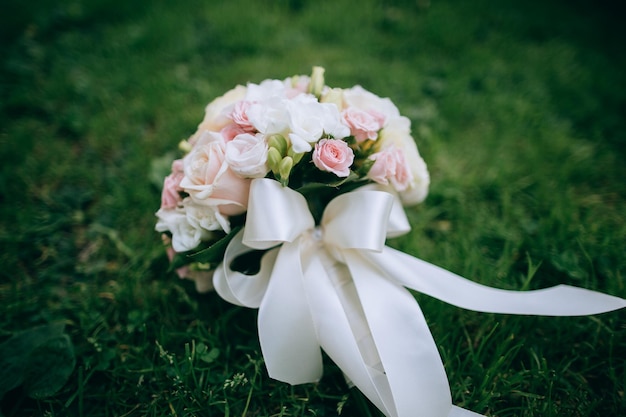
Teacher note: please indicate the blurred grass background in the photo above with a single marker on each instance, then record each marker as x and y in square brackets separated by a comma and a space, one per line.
[517, 107]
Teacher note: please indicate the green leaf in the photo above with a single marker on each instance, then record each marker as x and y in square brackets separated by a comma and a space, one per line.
[214, 253]
[26, 349]
[353, 176]
[313, 186]
[210, 251]
[10, 376]
[49, 367]
[14, 353]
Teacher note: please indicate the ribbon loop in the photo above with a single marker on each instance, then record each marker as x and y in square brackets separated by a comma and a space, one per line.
[276, 214]
[357, 220]
[397, 223]
[238, 288]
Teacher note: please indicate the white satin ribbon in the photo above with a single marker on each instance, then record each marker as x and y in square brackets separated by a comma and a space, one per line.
[338, 287]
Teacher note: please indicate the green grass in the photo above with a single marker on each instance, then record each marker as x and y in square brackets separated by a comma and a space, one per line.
[517, 107]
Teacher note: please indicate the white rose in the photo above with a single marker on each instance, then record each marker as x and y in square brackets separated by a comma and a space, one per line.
[185, 236]
[269, 116]
[418, 189]
[246, 155]
[266, 89]
[333, 122]
[305, 122]
[398, 133]
[309, 120]
[205, 218]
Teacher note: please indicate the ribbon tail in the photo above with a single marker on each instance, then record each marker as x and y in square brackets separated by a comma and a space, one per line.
[342, 329]
[462, 412]
[421, 276]
[409, 356]
[286, 332]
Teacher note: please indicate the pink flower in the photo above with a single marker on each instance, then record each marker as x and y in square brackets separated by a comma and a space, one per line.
[210, 182]
[363, 124]
[334, 156]
[239, 115]
[170, 196]
[178, 166]
[391, 166]
[230, 131]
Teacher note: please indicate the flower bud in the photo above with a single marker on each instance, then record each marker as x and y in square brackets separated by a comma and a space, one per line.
[185, 146]
[296, 156]
[274, 158]
[279, 143]
[284, 169]
[334, 96]
[317, 81]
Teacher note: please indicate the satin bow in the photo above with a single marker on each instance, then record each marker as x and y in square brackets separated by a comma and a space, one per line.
[337, 287]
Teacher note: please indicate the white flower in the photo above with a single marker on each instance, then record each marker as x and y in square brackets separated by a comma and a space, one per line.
[269, 116]
[246, 155]
[185, 236]
[205, 217]
[268, 89]
[190, 224]
[333, 122]
[309, 120]
[418, 189]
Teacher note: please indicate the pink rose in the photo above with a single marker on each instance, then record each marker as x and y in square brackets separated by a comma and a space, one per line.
[363, 124]
[397, 132]
[170, 196]
[230, 131]
[208, 179]
[239, 115]
[178, 166]
[334, 156]
[391, 166]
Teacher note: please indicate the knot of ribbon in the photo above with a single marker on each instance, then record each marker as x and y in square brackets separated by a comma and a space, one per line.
[337, 287]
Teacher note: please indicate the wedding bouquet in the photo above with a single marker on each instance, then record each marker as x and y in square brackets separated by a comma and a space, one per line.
[282, 201]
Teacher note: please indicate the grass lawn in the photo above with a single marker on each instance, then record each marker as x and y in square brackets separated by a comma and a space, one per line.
[519, 109]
